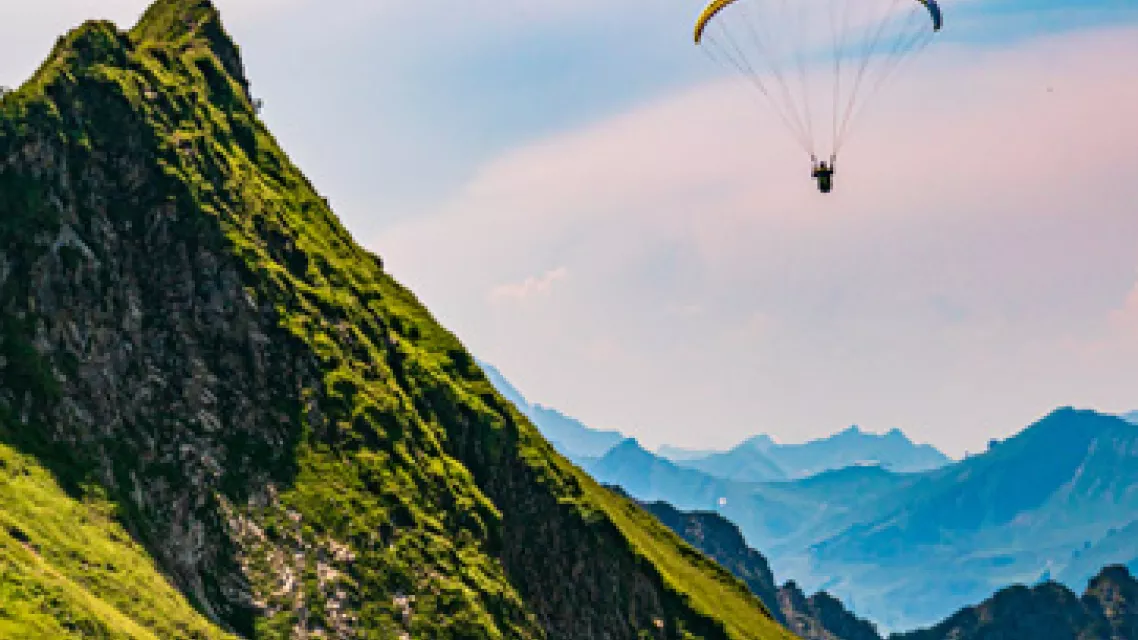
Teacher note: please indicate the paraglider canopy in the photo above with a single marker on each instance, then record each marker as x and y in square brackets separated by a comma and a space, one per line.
[813, 58]
[718, 5]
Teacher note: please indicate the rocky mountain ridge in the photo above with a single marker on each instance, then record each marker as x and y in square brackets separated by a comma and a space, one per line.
[198, 360]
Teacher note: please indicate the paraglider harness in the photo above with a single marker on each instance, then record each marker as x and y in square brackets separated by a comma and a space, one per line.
[823, 173]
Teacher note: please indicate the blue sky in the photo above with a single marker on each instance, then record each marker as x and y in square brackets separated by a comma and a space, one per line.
[621, 227]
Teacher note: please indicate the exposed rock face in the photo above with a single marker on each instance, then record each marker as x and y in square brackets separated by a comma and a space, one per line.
[188, 330]
[722, 541]
[821, 616]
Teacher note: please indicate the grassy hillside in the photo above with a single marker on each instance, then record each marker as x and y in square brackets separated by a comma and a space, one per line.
[68, 570]
[300, 446]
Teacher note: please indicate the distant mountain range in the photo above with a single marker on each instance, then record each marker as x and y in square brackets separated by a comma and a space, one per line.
[1108, 610]
[756, 459]
[569, 436]
[900, 533]
[1131, 417]
[761, 459]
[1059, 499]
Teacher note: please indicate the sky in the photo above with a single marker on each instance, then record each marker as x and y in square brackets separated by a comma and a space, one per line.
[627, 231]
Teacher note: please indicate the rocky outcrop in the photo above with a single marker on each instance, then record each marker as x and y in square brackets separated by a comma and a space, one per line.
[722, 541]
[821, 616]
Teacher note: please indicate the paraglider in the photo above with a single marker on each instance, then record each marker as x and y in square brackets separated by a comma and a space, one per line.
[824, 174]
[773, 43]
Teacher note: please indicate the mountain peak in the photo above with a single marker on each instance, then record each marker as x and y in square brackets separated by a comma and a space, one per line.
[762, 442]
[628, 446]
[897, 434]
[187, 23]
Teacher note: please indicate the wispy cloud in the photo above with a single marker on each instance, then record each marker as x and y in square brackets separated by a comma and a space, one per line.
[531, 286]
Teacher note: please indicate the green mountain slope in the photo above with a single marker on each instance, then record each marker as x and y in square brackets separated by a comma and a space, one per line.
[67, 570]
[303, 450]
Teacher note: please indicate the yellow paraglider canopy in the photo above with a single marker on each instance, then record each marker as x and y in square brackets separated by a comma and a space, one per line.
[718, 5]
[781, 46]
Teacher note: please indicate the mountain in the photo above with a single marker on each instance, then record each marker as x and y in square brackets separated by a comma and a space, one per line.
[745, 463]
[503, 386]
[571, 438]
[646, 476]
[762, 459]
[905, 550]
[1108, 610]
[1012, 514]
[719, 539]
[893, 451]
[679, 453]
[819, 617]
[69, 570]
[1047, 611]
[782, 518]
[219, 414]
[1118, 546]
[1074, 458]
[1131, 417]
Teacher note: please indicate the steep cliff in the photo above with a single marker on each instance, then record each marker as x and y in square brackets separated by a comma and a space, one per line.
[722, 541]
[818, 617]
[192, 345]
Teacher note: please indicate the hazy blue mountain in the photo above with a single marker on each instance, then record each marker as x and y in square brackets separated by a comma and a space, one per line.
[771, 513]
[647, 477]
[1064, 468]
[893, 451]
[745, 462]
[1131, 417]
[1108, 610]
[782, 518]
[679, 453]
[897, 531]
[504, 386]
[568, 435]
[1118, 546]
[1014, 514]
[571, 434]
[760, 458]
[908, 549]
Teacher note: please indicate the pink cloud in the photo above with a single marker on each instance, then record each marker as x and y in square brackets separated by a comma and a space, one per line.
[531, 286]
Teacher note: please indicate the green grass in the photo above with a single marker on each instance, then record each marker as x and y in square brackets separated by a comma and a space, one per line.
[406, 457]
[68, 570]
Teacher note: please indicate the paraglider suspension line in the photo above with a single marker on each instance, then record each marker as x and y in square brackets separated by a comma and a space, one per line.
[914, 43]
[804, 131]
[867, 54]
[744, 67]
